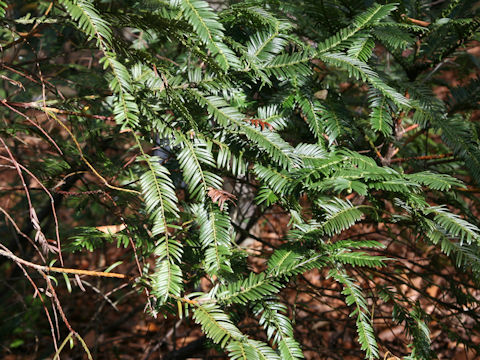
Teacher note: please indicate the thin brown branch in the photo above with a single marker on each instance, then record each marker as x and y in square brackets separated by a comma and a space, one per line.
[104, 296]
[47, 269]
[82, 156]
[423, 157]
[37, 292]
[471, 189]
[7, 215]
[418, 22]
[52, 204]
[130, 236]
[37, 26]
[39, 236]
[4, 102]
[410, 128]
[56, 301]
[35, 105]
[26, 76]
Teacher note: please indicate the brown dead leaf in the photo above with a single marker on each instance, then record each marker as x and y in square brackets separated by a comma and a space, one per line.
[433, 291]
[321, 94]
[111, 229]
[220, 196]
[259, 122]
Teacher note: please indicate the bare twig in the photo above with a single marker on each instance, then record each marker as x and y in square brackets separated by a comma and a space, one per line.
[47, 269]
[423, 157]
[52, 204]
[107, 299]
[82, 156]
[37, 106]
[37, 26]
[161, 341]
[37, 291]
[418, 22]
[7, 215]
[39, 236]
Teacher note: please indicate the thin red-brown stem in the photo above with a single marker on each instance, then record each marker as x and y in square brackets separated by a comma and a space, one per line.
[52, 203]
[37, 26]
[4, 102]
[26, 76]
[418, 22]
[33, 216]
[410, 128]
[130, 238]
[423, 157]
[37, 292]
[7, 215]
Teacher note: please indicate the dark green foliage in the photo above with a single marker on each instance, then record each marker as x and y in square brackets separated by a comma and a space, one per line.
[254, 92]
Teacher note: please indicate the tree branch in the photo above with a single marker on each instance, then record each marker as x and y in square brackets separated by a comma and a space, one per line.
[37, 267]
